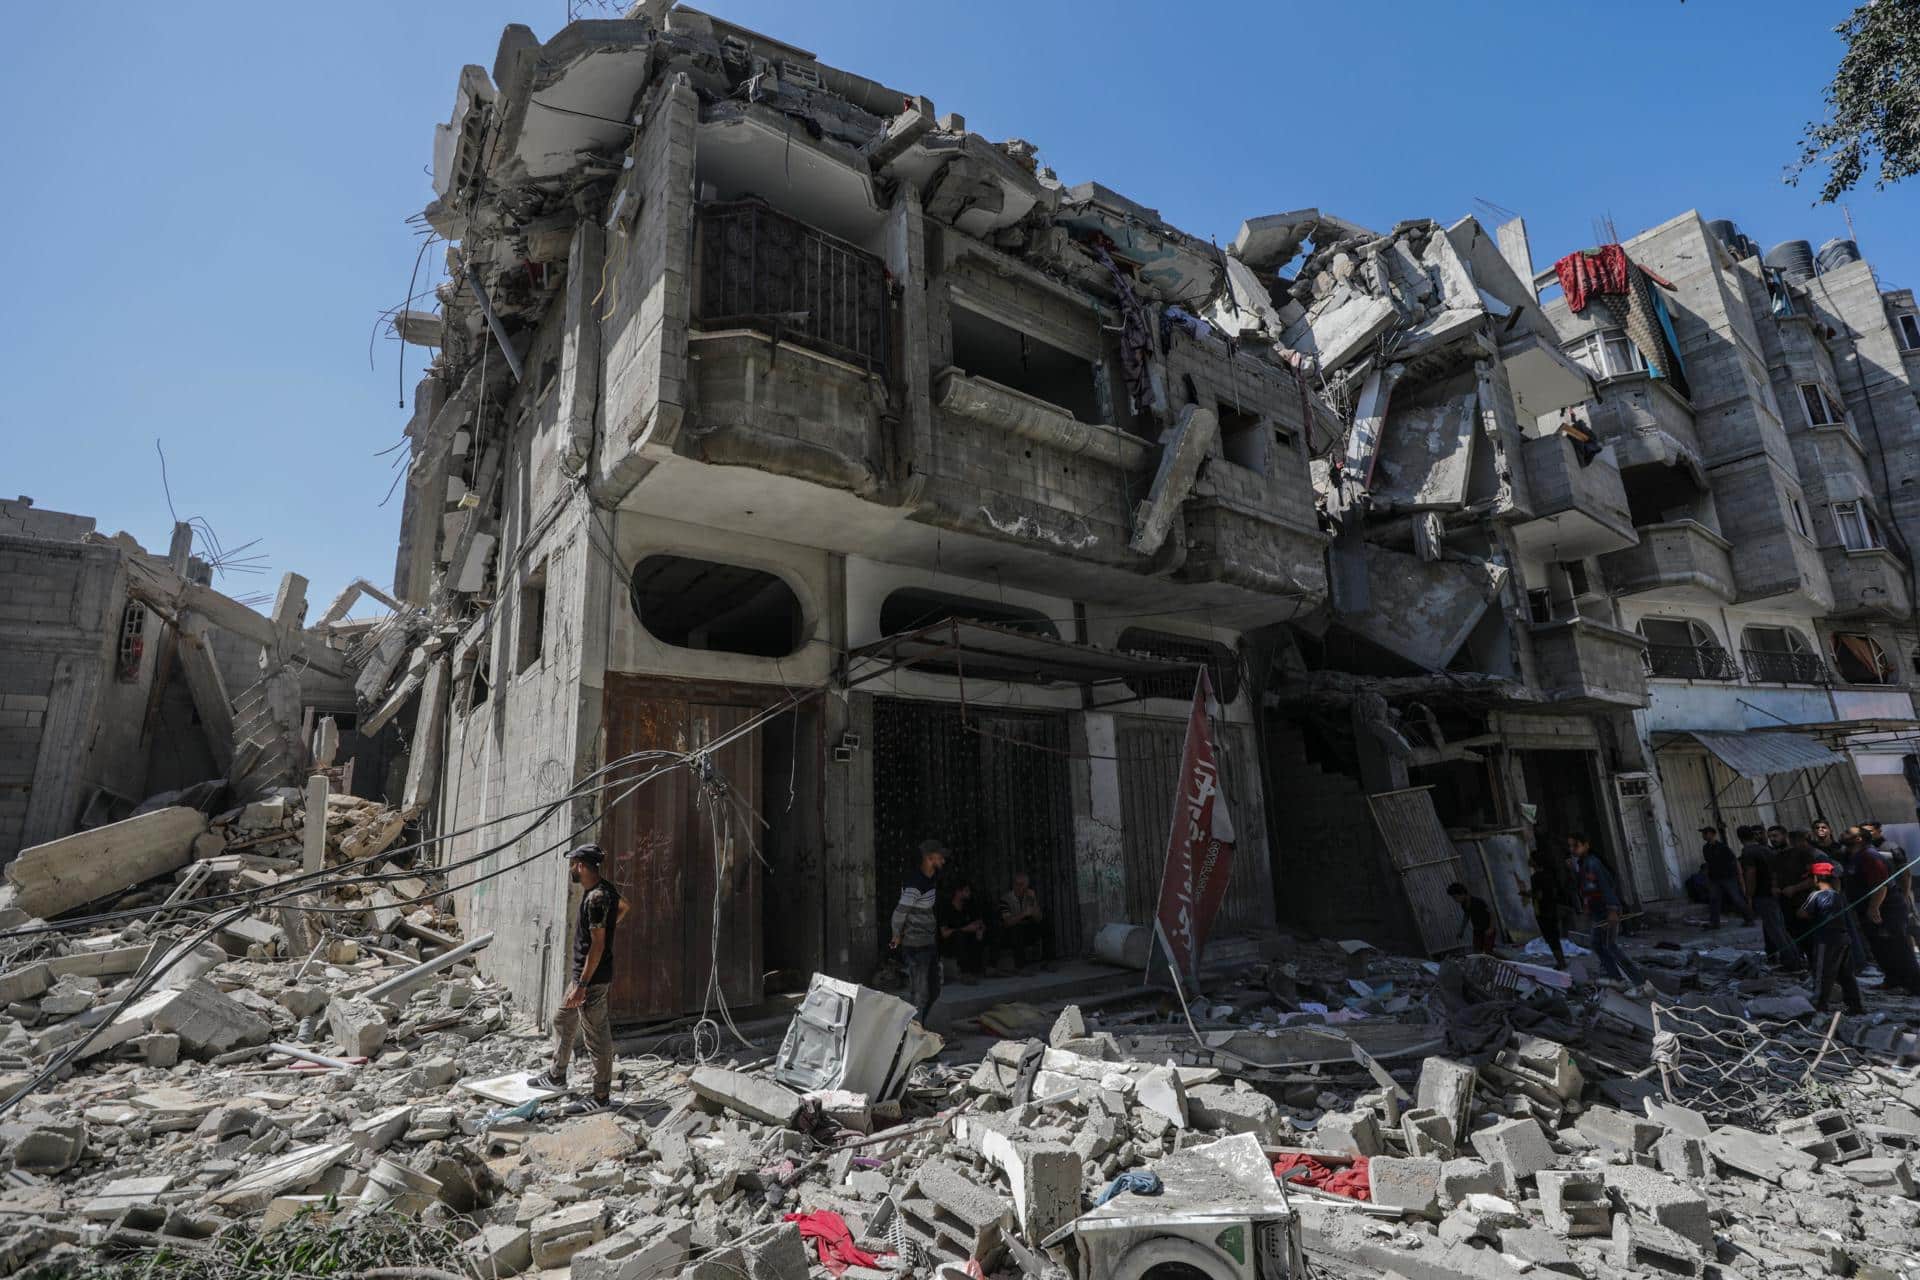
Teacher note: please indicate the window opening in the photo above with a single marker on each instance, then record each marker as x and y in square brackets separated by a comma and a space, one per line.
[1000, 353]
[1859, 531]
[1243, 438]
[533, 617]
[723, 608]
[133, 640]
[1780, 655]
[912, 608]
[1910, 332]
[1859, 659]
[1221, 664]
[1821, 409]
[1682, 649]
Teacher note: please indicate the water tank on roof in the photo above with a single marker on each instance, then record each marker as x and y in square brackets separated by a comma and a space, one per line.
[1723, 230]
[1791, 258]
[1835, 254]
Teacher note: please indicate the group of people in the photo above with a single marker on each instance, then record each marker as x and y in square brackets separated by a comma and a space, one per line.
[1577, 885]
[1831, 906]
[934, 921]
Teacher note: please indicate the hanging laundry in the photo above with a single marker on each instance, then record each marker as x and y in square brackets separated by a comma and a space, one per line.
[1178, 317]
[1585, 447]
[1591, 271]
[834, 1239]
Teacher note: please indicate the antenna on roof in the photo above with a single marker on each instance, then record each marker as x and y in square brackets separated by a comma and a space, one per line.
[1493, 210]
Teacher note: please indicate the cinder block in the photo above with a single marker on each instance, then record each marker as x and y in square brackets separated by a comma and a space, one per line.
[1574, 1202]
[1518, 1146]
[1645, 1248]
[1615, 1130]
[1828, 1134]
[1412, 1184]
[1659, 1198]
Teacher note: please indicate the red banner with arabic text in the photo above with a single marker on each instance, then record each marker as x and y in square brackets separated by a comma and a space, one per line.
[1200, 844]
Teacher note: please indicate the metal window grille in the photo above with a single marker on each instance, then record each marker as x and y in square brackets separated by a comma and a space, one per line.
[1690, 662]
[759, 269]
[1772, 667]
[1218, 659]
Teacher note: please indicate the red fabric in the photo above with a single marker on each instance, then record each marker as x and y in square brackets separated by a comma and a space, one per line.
[1349, 1181]
[1591, 271]
[831, 1236]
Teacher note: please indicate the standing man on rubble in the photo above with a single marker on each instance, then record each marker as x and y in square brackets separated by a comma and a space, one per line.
[1756, 870]
[1871, 886]
[916, 927]
[1594, 890]
[1723, 877]
[1832, 957]
[585, 1007]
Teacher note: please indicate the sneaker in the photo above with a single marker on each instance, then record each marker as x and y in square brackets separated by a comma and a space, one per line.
[589, 1106]
[548, 1080]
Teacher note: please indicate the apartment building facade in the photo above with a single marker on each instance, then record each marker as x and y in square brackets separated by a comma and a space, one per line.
[779, 417]
[1765, 428]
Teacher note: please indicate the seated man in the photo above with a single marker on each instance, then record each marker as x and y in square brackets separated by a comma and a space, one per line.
[963, 931]
[1020, 920]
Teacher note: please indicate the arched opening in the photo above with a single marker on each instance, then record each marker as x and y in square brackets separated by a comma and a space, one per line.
[1859, 659]
[722, 608]
[911, 608]
[1683, 649]
[1780, 655]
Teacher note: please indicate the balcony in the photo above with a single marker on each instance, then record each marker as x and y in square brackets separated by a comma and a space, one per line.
[1581, 662]
[1690, 662]
[1676, 560]
[1577, 511]
[1645, 420]
[758, 269]
[1869, 585]
[1772, 667]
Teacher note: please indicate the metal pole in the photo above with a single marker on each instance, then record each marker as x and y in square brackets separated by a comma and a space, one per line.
[404, 982]
[493, 323]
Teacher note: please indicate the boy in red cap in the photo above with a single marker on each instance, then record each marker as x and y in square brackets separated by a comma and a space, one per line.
[1832, 961]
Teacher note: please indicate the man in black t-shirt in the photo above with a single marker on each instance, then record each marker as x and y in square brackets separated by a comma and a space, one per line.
[1723, 877]
[1756, 871]
[584, 1009]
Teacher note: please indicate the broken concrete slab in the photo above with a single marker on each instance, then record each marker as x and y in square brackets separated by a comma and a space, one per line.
[358, 1026]
[640, 1251]
[207, 1022]
[54, 878]
[1758, 1155]
[751, 1096]
[1518, 1146]
[294, 1171]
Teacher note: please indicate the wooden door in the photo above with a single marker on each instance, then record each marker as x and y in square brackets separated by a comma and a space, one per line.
[681, 848]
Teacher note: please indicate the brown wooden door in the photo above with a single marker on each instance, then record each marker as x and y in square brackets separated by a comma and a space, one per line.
[672, 846]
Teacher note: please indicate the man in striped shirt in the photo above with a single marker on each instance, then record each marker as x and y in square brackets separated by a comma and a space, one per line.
[916, 930]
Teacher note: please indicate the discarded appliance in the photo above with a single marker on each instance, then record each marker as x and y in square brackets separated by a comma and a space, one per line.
[1221, 1215]
[846, 1036]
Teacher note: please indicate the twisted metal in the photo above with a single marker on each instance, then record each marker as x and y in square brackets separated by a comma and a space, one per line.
[1751, 1073]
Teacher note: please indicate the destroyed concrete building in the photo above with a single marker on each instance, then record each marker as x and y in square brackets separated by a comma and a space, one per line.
[763, 385]
[125, 675]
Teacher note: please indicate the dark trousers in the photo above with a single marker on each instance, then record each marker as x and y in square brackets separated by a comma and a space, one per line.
[1548, 918]
[923, 979]
[1892, 951]
[969, 952]
[1604, 940]
[1728, 891]
[1773, 927]
[1022, 939]
[1833, 963]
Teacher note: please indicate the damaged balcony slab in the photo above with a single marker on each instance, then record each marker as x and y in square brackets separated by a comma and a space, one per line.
[1422, 611]
[565, 98]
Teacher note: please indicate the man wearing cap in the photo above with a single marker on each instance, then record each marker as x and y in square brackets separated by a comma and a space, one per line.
[1832, 958]
[585, 1005]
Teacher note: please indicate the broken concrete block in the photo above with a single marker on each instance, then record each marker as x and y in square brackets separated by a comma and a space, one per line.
[1068, 1026]
[1426, 1133]
[358, 1026]
[1677, 1119]
[645, 1249]
[1643, 1247]
[1412, 1184]
[1614, 1130]
[1349, 1133]
[41, 1144]
[53, 878]
[1659, 1198]
[159, 1049]
[1828, 1134]
[1467, 1176]
[751, 1096]
[380, 1131]
[1885, 1173]
[1537, 1248]
[122, 1194]
[1574, 1202]
[1218, 1108]
[1682, 1155]
[776, 1253]
[1446, 1089]
[1161, 1092]
[500, 1250]
[1758, 1155]
[294, 1171]
[207, 1022]
[554, 1238]
[1518, 1146]
[25, 983]
[1044, 1178]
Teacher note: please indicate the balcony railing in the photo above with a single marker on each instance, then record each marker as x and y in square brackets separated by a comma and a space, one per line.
[759, 269]
[1767, 667]
[1690, 662]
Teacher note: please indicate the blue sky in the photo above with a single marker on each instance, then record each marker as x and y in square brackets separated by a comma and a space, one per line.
[207, 202]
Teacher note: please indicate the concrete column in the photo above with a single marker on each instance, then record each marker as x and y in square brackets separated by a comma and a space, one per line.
[1098, 826]
[313, 855]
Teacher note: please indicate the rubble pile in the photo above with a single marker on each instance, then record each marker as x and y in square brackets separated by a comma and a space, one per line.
[236, 1088]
